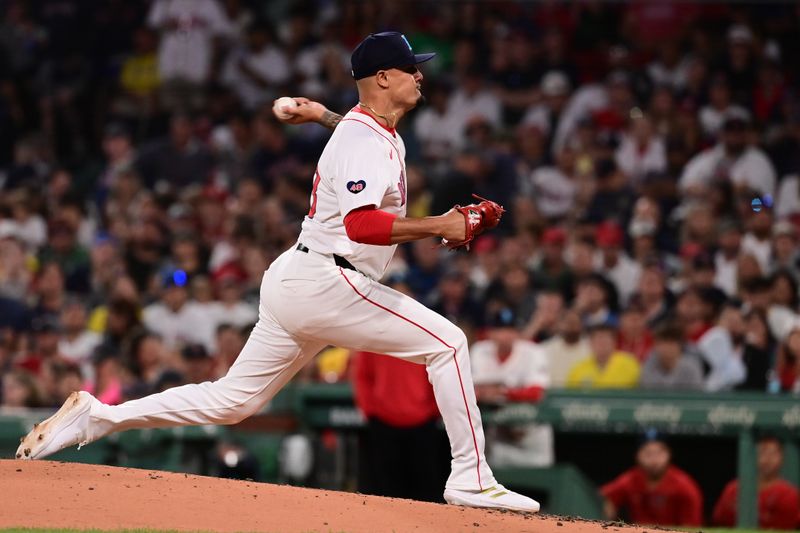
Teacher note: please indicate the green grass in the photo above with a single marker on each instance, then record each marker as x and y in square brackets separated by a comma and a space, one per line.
[718, 530]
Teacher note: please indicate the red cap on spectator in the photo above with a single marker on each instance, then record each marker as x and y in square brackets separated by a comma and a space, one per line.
[554, 236]
[690, 250]
[230, 271]
[609, 234]
[484, 243]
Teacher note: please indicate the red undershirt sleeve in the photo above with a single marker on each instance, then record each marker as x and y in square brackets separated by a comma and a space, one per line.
[367, 225]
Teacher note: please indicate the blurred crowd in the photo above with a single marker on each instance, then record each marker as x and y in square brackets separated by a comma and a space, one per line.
[648, 155]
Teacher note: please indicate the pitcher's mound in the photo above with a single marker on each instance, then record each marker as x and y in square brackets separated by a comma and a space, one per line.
[69, 495]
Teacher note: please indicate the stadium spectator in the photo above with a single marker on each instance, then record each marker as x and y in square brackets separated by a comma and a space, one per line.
[732, 161]
[720, 347]
[614, 263]
[606, 368]
[177, 319]
[566, 348]
[20, 389]
[189, 46]
[758, 352]
[670, 367]
[257, 71]
[506, 367]
[654, 492]
[592, 300]
[778, 500]
[635, 337]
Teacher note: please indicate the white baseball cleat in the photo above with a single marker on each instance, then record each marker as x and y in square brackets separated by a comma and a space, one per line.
[64, 429]
[497, 497]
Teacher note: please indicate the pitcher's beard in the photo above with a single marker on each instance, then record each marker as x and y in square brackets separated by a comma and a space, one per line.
[421, 101]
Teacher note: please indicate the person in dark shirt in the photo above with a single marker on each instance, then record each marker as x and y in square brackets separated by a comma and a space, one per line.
[654, 492]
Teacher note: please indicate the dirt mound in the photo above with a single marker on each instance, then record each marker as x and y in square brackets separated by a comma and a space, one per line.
[49, 494]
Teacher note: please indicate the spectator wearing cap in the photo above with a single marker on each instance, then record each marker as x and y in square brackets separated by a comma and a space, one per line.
[729, 239]
[739, 64]
[196, 365]
[546, 116]
[175, 318]
[230, 307]
[642, 150]
[566, 348]
[506, 367]
[670, 366]
[654, 492]
[778, 500]
[607, 367]
[731, 161]
[613, 262]
[552, 271]
[721, 349]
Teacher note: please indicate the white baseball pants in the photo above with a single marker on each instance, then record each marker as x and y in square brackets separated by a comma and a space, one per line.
[307, 303]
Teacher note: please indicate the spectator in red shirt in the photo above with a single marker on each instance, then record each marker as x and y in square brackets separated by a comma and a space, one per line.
[654, 492]
[778, 500]
[397, 400]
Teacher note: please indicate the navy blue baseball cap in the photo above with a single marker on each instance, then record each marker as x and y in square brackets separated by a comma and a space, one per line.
[382, 51]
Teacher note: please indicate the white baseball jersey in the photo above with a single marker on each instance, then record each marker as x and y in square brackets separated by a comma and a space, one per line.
[363, 164]
[308, 302]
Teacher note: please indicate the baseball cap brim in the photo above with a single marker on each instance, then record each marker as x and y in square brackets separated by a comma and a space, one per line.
[421, 58]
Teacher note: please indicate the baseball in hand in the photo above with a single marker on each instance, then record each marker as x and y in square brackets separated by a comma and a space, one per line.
[283, 104]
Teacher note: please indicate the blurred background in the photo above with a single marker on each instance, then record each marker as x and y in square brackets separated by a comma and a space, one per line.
[634, 319]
